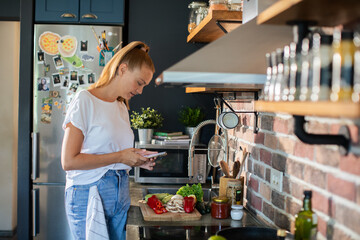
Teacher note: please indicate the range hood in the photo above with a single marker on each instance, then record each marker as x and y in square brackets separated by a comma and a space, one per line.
[236, 60]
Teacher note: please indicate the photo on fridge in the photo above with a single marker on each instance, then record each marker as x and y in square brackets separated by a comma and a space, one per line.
[58, 62]
[43, 84]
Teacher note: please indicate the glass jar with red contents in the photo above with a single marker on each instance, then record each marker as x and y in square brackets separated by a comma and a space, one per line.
[220, 207]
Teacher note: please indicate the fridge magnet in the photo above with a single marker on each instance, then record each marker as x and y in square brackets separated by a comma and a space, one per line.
[83, 46]
[46, 110]
[46, 68]
[67, 48]
[56, 79]
[48, 42]
[59, 106]
[43, 84]
[73, 87]
[65, 82]
[81, 79]
[58, 62]
[91, 78]
[87, 58]
[41, 58]
[54, 94]
[56, 103]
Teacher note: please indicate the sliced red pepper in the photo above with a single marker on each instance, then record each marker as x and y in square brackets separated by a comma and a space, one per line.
[158, 211]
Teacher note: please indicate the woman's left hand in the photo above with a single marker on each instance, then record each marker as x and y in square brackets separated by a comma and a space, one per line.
[149, 165]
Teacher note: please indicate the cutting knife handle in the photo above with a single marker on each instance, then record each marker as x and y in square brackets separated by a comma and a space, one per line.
[35, 211]
[35, 155]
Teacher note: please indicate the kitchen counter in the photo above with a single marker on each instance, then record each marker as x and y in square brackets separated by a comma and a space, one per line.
[137, 228]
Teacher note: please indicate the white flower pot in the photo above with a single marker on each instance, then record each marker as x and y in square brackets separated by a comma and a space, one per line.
[145, 135]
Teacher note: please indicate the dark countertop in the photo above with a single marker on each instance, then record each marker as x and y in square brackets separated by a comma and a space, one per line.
[137, 228]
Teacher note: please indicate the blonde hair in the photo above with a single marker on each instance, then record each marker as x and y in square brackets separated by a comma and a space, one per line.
[135, 54]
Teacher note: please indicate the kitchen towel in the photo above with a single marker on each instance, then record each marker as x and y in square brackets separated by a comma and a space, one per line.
[95, 217]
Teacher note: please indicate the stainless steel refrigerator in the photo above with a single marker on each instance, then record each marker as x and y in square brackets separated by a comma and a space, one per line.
[66, 59]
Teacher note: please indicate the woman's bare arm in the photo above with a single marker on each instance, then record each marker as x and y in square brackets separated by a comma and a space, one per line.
[72, 159]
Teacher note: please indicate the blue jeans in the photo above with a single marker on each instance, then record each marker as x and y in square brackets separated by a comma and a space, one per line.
[113, 188]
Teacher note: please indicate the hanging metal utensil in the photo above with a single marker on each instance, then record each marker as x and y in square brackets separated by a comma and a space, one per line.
[217, 145]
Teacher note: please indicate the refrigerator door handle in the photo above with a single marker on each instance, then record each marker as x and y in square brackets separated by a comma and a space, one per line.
[35, 211]
[35, 155]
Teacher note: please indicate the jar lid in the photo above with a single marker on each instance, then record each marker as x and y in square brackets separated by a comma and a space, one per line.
[197, 4]
[221, 199]
[237, 207]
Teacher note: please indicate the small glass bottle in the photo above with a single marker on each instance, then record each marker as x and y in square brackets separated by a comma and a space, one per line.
[220, 207]
[356, 88]
[265, 92]
[347, 50]
[306, 220]
[326, 67]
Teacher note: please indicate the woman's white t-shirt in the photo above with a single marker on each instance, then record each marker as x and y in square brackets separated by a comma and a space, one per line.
[106, 129]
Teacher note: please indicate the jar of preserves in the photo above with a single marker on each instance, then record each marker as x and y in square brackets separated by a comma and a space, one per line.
[218, 5]
[193, 15]
[220, 207]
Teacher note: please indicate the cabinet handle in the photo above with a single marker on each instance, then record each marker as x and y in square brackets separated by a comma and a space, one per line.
[68, 15]
[89, 15]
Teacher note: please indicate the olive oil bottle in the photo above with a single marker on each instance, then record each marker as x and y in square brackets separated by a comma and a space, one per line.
[306, 220]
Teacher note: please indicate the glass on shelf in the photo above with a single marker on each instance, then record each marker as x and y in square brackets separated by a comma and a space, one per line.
[218, 5]
[194, 6]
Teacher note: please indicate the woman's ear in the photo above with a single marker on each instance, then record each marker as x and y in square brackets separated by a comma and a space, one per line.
[122, 69]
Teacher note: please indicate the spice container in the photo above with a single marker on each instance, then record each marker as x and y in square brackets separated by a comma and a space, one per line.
[236, 212]
[220, 207]
[193, 15]
[233, 187]
[218, 5]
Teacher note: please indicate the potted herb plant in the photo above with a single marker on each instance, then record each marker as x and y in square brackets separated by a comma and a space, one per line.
[145, 122]
[190, 117]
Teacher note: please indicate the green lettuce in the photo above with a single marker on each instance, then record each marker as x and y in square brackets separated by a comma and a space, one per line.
[195, 189]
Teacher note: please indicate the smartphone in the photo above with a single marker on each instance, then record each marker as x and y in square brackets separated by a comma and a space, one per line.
[160, 154]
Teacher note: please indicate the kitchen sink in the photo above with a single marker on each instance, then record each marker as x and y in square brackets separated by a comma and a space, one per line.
[208, 192]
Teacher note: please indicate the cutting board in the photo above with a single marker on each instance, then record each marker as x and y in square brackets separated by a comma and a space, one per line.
[150, 215]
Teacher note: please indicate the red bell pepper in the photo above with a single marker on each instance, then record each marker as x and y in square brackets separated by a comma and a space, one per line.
[156, 205]
[189, 203]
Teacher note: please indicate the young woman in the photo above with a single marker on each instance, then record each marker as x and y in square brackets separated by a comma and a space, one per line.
[98, 141]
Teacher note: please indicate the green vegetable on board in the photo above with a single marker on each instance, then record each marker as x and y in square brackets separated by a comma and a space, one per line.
[159, 196]
[195, 189]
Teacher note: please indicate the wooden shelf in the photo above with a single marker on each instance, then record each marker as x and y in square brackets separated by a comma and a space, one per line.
[319, 109]
[322, 12]
[219, 90]
[208, 31]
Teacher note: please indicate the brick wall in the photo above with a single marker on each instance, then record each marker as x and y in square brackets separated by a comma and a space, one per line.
[333, 178]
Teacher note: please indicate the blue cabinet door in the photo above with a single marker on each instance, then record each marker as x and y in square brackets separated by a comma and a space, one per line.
[102, 11]
[57, 11]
